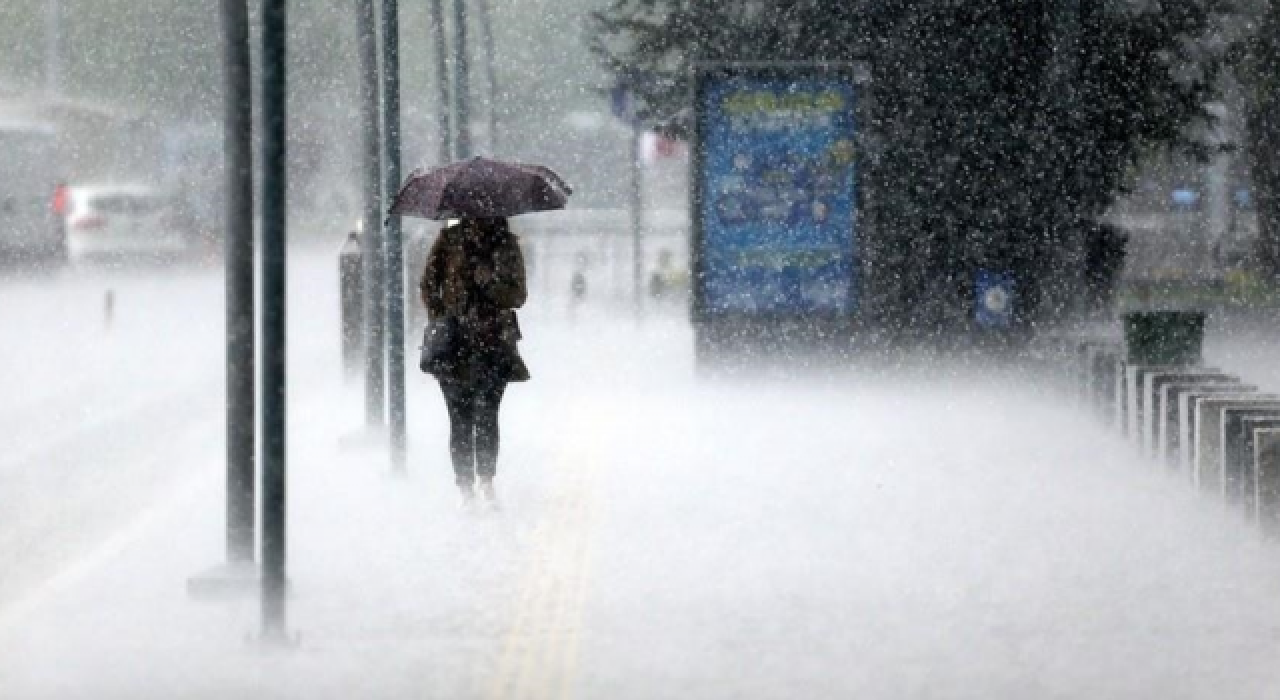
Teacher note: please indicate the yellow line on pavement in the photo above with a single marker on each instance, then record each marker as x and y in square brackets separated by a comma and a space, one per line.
[540, 651]
[577, 593]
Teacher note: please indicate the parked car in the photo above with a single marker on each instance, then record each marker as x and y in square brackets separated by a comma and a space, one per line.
[123, 221]
[31, 232]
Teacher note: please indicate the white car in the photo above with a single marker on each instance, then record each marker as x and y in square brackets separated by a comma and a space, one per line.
[125, 221]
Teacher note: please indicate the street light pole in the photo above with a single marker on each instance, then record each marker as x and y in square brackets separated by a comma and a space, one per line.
[394, 239]
[241, 366]
[274, 182]
[444, 103]
[237, 575]
[491, 74]
[374, 310]
[461, 83]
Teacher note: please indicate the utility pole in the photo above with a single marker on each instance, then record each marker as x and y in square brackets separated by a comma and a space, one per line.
[238, 574]
[394, 240]
[241, 364]
[274, 394]
[444, 102]
[461, 83]
[491, 74]
[372, 253]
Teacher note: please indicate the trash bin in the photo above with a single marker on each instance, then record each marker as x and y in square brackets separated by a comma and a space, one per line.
[1164, 337]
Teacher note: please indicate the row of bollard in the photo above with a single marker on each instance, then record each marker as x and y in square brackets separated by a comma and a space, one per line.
[1212, 428]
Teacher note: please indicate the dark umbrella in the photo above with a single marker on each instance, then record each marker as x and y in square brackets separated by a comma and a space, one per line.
[479, 188]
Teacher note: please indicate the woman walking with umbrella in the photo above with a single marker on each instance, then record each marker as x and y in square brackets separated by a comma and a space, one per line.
[475, 276]
[473, 282]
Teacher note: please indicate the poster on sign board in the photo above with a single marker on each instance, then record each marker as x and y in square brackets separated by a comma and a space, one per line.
[775, 201]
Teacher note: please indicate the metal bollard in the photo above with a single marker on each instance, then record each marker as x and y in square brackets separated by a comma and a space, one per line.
[1266, 479]
[1168, 432]
[351, 288]
[1208, 472]
[1149, 392]
[1238, 427]
[109, 308]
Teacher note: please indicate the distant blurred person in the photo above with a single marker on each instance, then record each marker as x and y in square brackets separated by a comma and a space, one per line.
[578, 283]
[475, 277]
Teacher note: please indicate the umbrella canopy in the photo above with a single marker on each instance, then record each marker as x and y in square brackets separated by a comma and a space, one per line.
[479, 188]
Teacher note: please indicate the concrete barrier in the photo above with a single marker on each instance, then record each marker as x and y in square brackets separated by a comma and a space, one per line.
[1237, 428]
[1208, 475]
[1136, 403]
[1152, 412]
[1169, 439]
[1187, 405]
[1266, 484]
[1120, 397]
[1222, 434]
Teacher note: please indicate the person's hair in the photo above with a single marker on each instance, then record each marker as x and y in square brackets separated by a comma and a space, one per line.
[493, 225]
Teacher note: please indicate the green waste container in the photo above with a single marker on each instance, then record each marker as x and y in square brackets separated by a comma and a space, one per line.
[1164, 337]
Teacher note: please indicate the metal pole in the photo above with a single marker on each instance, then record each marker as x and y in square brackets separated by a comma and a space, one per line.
[461, 82]
[52, 46]
[274, 179]
[241, 366]
[444, 102]
[491, 75]
[637, 220]
[394, 240]
[375, 340]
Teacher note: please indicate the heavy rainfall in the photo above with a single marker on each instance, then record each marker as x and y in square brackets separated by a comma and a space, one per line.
[639, 349]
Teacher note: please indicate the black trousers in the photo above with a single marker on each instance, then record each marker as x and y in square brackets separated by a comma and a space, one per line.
[474, 437]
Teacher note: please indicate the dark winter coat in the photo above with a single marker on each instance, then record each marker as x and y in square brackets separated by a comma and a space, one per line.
[477, 277]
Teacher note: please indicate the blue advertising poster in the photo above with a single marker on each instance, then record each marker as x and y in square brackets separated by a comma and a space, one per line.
[777, 203]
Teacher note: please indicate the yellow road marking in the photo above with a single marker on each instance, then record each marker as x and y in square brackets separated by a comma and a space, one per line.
[540, 651]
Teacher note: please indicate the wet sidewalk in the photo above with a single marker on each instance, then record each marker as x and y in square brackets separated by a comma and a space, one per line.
[880, 537]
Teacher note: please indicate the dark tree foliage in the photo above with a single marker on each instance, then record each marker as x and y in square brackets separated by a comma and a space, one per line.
[1000, 130]
[1257, 65]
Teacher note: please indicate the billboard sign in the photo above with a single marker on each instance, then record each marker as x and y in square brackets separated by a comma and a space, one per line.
[775, 201]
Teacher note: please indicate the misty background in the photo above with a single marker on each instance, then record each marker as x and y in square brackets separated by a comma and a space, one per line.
[906, 524]
[152, 71]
